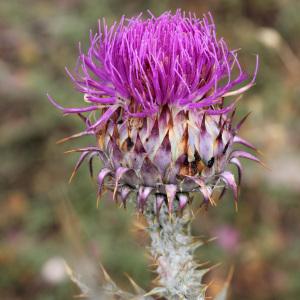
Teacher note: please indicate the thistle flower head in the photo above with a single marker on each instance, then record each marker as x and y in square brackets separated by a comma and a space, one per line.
[155, 93]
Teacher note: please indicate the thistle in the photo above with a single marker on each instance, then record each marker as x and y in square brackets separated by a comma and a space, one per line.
[155, 93]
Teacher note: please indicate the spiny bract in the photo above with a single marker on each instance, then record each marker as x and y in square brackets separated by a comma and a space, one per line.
[155, 90]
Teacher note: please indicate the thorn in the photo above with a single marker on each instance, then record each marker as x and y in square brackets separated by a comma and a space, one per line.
[214, 266]
[115, 198]
[72, 176]
[230, 275]
[236, 206]
[233, 114]
[241, 122]
[70, 151]
[74, 136]
[81, 296]
[212, 239]
[203, 207]
[135, 286]
[212, 281]
[195, 245]
[99, 198]
[105, 274]
[155, 291]
[222, 193]
[63, 140]
[204, 264]
[265, 166]
[68, 270]
[212, 201]
[219, 137]
[139, 225]
[156, 279]
[153, 265]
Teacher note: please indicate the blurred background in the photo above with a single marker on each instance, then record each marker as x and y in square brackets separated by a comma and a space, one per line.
[44, 220]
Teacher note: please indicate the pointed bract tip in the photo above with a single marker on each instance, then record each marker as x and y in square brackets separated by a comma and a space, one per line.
[159, 200]
[171, 190]
[183, 200]
[105, 274]
[135, 286]
[143, 194]
[242, 121]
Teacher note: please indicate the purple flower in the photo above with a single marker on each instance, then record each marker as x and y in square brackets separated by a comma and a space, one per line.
[154, 91]
[141, 65]
[227, 238]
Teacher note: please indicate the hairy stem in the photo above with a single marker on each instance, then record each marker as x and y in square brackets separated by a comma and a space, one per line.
[172, 248]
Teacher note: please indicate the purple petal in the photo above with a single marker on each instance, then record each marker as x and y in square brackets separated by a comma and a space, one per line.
[173, 59]
[104, 117]
[72, 110]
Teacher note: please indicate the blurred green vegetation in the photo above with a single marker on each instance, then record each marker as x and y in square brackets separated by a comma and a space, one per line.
[42, 217]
